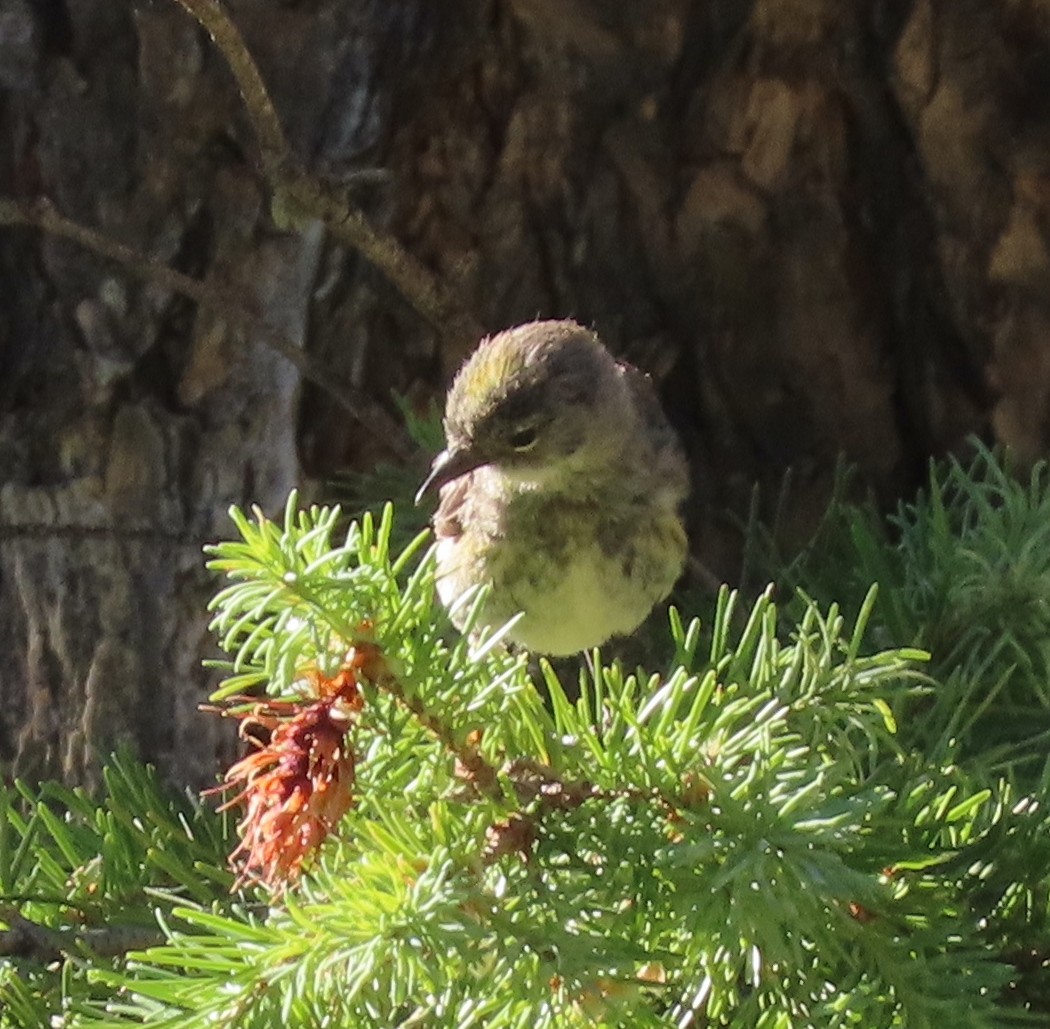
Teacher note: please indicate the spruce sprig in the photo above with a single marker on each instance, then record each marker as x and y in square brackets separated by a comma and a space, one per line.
[702, 846]
[749, 837]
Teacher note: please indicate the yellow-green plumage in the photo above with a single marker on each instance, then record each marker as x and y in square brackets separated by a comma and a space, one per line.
[494, 365]
[561, 487]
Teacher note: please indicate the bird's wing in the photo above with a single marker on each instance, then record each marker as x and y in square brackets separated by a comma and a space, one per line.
[648, 405]
[667, 455]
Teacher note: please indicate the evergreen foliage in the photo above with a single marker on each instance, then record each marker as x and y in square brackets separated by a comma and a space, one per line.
[964, 573]
[783, 828]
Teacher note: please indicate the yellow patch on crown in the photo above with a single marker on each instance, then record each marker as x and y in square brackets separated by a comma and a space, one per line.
[498, 361]
[502, 361]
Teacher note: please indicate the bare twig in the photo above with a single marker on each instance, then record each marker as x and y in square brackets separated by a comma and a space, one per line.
[358, 404]
[426, 293]
[298, 193]
[273, 146]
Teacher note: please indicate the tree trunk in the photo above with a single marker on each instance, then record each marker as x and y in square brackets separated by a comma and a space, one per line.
[821, 226]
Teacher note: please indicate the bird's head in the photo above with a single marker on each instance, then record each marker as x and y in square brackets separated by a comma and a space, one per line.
[538, 402]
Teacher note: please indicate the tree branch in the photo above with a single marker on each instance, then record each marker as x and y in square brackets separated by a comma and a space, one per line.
[362, 408]
[273, 145]
[26, 939]
[472, 764]
[298, 194]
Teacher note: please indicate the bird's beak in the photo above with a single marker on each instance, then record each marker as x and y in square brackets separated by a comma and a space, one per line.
[448, 465]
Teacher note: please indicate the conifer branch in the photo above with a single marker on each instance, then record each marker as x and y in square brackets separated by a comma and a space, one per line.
[472, 766]
[27, 939]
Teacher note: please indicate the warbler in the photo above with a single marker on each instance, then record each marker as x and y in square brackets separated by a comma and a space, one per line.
[560, 488]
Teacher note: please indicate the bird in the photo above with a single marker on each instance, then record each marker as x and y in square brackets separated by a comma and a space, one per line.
[560, 489]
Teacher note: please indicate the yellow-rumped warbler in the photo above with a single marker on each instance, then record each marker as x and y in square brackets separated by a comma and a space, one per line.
[560, 488]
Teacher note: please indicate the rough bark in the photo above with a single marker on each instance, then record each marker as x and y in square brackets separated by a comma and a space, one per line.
[821, 226]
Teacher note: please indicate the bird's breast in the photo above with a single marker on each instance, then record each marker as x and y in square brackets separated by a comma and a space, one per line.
[578, 573]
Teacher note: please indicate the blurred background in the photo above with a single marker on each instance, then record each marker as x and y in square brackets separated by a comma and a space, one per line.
[821, 227]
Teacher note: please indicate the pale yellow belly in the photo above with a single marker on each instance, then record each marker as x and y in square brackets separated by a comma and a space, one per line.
[572, 600]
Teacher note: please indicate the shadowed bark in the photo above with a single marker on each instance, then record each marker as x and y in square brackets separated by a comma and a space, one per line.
[821, 227]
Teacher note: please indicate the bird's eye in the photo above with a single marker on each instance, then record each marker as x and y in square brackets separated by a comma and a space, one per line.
[524, 439]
